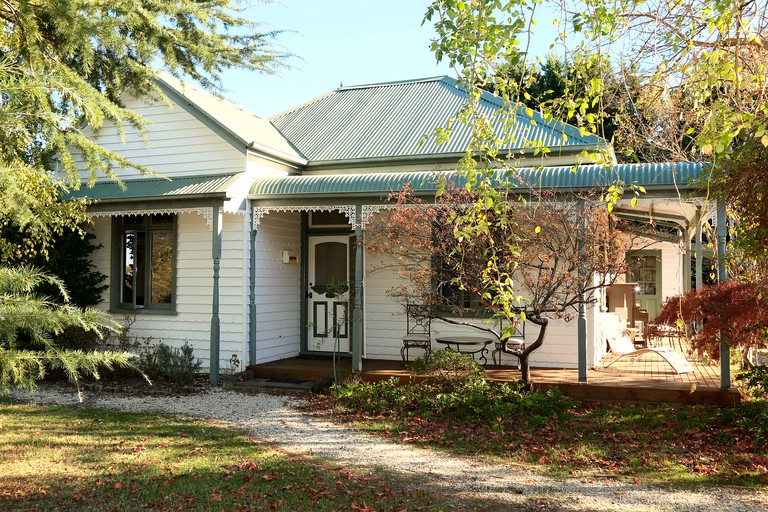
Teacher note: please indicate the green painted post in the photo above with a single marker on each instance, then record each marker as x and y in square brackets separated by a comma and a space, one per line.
[215, 321]
[722, 275]
[252, 292]
[357, 313]
[582, 321]
[699, 251]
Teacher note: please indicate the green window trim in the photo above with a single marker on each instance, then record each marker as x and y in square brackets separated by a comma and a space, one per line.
[144, 264]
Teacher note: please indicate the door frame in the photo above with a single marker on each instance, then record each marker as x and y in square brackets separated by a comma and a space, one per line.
[657, 255]
[331, 308]
[304, 312]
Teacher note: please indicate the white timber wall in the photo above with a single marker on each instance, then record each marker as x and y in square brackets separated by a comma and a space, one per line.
[671, 269]
[194, 289]
[278, 287]
[385, 324]
[177, 143]
[385, 321]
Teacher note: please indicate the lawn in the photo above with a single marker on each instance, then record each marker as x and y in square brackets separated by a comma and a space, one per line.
[62, 458]
[678, 445]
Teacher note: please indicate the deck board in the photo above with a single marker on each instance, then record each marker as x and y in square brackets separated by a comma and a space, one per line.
[650, 381]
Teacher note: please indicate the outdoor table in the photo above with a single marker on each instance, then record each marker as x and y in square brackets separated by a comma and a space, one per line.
[468, 345]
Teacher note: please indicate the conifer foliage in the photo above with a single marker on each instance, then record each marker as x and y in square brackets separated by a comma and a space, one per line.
[27, 321]
[65, 65]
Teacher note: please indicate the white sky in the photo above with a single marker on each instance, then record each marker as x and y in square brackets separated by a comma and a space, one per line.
[340, 41]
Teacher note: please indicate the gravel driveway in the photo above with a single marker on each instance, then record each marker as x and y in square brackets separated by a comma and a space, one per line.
[274, 419]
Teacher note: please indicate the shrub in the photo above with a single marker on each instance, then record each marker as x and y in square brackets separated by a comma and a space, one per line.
[755, 380]
[753, 418]
[476, 401]
[736, 309]
[450, 368]
[369, 397]
[538, 408]
[176, 365]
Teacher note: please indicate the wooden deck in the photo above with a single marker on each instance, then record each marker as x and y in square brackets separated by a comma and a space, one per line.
[637, 381]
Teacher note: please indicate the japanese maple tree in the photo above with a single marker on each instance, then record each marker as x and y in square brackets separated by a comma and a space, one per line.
[738, 310]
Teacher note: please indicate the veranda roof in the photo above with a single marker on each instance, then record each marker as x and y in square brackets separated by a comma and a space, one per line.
[198, 187]
[657, 177]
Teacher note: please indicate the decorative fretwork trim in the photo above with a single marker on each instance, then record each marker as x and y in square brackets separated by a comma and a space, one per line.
[260, 211]
[369, 210]
[205, 213]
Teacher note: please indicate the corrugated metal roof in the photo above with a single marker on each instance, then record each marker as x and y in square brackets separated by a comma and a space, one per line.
[665, 176]
[391, 120]
[156, 188]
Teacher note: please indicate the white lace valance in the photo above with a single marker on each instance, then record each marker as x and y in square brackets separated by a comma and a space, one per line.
[260, 211]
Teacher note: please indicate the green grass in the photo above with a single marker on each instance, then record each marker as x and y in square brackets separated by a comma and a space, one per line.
[61, 458]
[677, 445]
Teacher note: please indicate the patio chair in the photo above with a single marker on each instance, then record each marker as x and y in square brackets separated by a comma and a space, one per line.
[511, 345]
[418, 330]
[619, 343]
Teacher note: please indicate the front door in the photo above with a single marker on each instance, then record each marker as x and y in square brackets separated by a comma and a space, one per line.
[645, 270]
[328, 294]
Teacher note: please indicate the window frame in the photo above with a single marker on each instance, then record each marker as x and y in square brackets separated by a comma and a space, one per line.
[123, 224]
[456, 303]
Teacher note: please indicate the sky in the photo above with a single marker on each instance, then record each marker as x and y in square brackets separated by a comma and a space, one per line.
[334, 42]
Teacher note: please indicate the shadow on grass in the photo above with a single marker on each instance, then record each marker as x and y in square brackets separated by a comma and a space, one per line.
[62, 458]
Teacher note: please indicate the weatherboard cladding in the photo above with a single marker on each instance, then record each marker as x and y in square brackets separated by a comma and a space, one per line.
[249, 129]
[396, 119]
[659, 175]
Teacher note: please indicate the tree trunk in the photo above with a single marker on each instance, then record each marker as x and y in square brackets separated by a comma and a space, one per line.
[525, 368]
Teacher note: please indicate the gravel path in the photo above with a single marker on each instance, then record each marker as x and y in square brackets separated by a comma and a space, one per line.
[274, 419]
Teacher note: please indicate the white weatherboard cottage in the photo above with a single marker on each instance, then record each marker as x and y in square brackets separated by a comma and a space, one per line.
[249, 252]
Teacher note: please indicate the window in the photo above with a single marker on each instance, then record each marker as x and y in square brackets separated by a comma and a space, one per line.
[454, 300]
[145, 259]
[642, 270]
[334, 218]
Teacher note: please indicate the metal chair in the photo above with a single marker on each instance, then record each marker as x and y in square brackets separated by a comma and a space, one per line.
[418, 330]
[512, 344]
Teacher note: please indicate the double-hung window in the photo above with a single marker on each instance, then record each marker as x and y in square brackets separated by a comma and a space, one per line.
[145, 256]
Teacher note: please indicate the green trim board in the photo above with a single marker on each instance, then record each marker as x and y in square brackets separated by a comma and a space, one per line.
[316, 307]
[340, 329]
[679, 177]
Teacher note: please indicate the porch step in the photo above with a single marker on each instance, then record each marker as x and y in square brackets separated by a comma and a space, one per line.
[250, 381]
[300, 368]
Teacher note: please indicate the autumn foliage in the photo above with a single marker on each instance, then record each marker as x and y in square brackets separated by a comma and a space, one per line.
[499, 254]
[737, 310]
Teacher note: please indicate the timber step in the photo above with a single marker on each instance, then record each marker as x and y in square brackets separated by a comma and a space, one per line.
[254, 380]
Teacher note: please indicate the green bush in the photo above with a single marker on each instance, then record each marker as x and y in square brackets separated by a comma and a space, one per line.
[541, 406]
[451, 368]
[476, 401]
[369, 397]
[753, 418]
[167, 364]
[755, 380]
